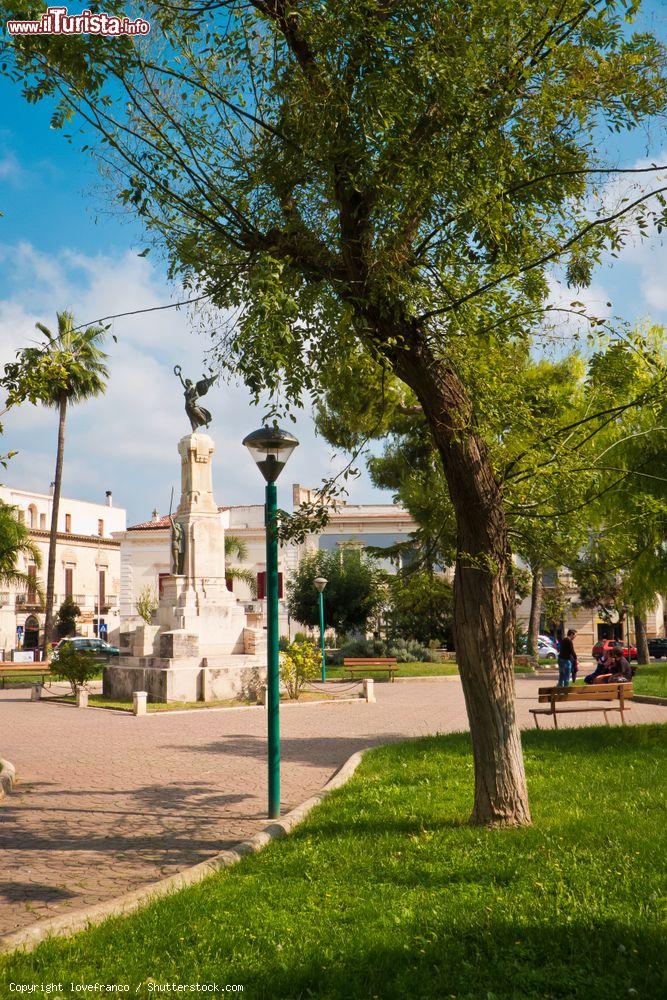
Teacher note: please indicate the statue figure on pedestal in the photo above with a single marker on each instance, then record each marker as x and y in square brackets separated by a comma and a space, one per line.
[177, 547]
[199, 416]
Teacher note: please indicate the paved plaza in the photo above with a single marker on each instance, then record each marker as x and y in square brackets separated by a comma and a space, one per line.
[107, 802]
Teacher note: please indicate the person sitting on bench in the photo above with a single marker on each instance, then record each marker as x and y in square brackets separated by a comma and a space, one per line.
[602, 669]
[618, 671]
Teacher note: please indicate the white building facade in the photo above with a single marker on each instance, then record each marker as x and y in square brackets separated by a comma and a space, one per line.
[145, 551]
[87, 567]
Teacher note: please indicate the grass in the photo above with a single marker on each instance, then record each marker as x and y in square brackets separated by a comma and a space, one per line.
[404, 670]
[103, 701]
[651, 679]
[385, 892]
[445, 669]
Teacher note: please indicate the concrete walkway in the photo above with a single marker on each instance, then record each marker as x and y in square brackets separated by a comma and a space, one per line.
[108, 802]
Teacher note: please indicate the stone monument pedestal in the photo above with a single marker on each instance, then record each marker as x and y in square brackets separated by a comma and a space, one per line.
[202, 649]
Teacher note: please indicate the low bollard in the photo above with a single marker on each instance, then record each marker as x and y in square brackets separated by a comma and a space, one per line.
[139, 702]
[369, 689]
[264, 695]
[36, 692]
[81, 698]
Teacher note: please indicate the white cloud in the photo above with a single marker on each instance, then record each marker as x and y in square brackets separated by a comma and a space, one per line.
[126, 440]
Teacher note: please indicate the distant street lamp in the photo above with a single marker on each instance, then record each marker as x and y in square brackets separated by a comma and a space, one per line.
[320, 583]
[271, 447]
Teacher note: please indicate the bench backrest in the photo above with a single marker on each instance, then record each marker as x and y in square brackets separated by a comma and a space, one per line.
[590, 692]
[38, 667]
[365, 661]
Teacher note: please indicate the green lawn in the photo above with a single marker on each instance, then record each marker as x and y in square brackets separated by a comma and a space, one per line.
[103, 701]
[385, 891]
[651, 679]
[417, 670]
[404, 670]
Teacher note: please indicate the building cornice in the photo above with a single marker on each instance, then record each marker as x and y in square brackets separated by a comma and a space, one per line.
[93, 541]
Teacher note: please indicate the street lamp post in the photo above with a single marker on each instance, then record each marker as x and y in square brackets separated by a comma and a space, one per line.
[320, 583]
[271, 447]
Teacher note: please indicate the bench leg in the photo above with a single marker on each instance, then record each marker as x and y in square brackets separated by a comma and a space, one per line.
[606, 718]
[537, 725]
[555, 720]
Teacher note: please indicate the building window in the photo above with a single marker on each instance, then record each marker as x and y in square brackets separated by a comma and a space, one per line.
[42, 521]
[32, 584]
[21, 514]
[261, 585]
[68, 522]
[32, 511]
[69, 582]
[100, 527]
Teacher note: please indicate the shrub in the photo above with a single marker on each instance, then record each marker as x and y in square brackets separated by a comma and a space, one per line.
[74, 666]
[300, 663]
[66, 618]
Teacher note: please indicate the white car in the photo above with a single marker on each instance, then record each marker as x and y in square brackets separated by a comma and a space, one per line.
[546, 649]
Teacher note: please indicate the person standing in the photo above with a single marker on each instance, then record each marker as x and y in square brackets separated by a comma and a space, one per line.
[567, 659]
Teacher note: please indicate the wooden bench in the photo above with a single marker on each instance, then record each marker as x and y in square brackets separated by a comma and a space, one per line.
[555, 697]
[370, 665]
[37, 669]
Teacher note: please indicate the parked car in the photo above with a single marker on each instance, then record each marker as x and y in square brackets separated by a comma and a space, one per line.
[548, 640]
[545, 648]
[84, 644]
[658, 647]
[603, 646]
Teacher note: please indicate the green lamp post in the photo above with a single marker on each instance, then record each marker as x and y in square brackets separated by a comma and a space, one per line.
[271, 447]
[320, 583]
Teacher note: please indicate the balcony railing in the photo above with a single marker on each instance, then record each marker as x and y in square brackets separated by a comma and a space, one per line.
[33, 601]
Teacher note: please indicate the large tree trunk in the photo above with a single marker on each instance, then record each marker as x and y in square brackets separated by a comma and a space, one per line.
[535, 611]
[483, 595]
[53, 537]
[641, 639]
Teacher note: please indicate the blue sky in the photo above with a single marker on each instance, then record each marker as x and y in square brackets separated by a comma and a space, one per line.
[62, 246]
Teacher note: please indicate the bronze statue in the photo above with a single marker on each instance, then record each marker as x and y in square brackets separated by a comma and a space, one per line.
[177, 547]
[199, 416]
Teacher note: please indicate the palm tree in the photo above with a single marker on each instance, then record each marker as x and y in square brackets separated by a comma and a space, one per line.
[69, 368]
[236, 547]
[15, 542]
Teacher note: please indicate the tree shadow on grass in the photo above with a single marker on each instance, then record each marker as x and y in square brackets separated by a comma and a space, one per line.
[496, 959]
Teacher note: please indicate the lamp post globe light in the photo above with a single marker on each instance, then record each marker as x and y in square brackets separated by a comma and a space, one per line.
[271, 447]
[320, 583]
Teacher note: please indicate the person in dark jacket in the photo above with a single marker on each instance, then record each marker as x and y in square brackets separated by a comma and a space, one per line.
[567, 659]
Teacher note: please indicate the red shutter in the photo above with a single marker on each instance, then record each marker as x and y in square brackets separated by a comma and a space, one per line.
[261, 586]
[69, 581]
[229, 581]
[161, 577]
[280, 585]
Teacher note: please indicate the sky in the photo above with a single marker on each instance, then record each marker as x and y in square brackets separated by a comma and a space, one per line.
[63, 246]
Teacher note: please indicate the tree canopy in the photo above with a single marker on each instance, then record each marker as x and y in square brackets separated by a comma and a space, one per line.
[386, 185]
[353, 594]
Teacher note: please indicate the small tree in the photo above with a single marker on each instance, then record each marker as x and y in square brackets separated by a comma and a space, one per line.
[66, 618]
[147, 603]
[420, 606]
[299, 663]
[74, 666]
[353, 594]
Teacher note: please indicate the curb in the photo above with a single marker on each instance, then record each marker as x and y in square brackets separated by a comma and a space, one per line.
[649, 699]
[29, 937]
[7, 777]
